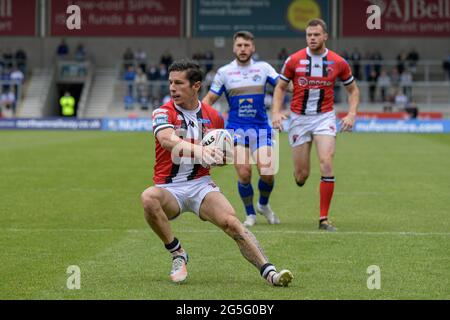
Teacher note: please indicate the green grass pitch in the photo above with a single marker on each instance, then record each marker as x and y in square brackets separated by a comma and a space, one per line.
[72, 198]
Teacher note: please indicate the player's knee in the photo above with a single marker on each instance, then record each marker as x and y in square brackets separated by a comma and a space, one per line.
[245, 175]
[149, 201]
[301, 177]
[231, 225]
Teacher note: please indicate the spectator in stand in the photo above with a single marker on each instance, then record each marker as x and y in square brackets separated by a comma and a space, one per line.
[128, 59]
[395, 79]
[368, 65]
[8, 58]
[21, 60]
[166, 59]
[356, 60]
[377, 58]
[401, 61]
[63, 50]
[209, 61]
[372, 79]
[346, 55]
[141, 59]
[412, 109]
[163, 79]
[8, 103]
[406, 81]
[17, 76]
[80, 53]
[209, 77]
[384, 83]
[141, 83]
[400, 100]
[153, 76]
[446, 67]
[129, 77]
[412, 58]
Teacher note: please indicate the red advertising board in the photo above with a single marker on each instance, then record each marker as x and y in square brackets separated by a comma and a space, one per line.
[414, 18]
[123, 18]
[17, 17]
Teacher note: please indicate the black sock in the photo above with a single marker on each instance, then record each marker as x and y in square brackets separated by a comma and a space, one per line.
[173, 246]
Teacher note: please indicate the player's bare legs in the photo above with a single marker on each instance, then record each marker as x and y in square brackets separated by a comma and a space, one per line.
[216, 209]
[244, 171]
[160, 206]
[325, 146]
[266, 164]
[301, 159]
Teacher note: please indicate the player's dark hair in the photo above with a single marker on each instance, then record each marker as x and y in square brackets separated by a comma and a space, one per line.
[318, 22]
[193, 74]
[247, 35]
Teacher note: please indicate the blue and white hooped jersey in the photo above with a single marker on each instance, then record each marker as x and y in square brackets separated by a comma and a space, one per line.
[245, 88]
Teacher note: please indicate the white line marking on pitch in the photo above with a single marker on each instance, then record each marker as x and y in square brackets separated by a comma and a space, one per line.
[369, 233]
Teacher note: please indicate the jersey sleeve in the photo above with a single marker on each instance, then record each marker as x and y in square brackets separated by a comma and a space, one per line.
[218, 85]
[162, 119]
[272, 75]
[217, 120]
[287, 72]
[346, 73]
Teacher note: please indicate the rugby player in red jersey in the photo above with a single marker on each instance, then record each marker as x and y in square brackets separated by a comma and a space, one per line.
[313, 71]
[181, 176]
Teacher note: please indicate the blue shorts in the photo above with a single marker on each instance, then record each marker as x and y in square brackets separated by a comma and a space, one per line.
[251, 136]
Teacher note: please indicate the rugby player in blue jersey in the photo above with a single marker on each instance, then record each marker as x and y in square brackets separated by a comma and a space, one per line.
[244, 83]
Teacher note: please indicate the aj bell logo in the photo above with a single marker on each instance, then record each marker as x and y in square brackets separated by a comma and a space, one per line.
[374, 20]
[74, 20]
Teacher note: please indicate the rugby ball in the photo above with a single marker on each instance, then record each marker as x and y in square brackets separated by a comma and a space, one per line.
[222, 139]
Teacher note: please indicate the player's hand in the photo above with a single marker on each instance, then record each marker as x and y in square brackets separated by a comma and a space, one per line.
[212, 156]
[348, 122]
[277, 119]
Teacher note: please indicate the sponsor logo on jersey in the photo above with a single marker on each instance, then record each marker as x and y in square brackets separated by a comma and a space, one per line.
[304, 82]
[302, 69]
[160, 119]
[328, 62]
[256, 78]
[317, 65]
[204, 121]
[304, 62]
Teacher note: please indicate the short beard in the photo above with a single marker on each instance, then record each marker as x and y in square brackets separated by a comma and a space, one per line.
[243, 61]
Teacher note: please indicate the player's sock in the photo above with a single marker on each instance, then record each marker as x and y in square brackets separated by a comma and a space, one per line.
[246, 193]
[264, 191]
[268, 271]
[326, 193]
[175, 249]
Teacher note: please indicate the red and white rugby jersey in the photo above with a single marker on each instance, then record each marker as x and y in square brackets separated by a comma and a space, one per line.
[190, 125]
[314, 77]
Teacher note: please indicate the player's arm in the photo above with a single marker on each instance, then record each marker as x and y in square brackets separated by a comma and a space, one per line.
[169, 140]
[277, 103]
[348, 121]
[210, 98]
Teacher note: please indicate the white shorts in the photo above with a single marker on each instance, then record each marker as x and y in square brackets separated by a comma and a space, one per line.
[190, 194]
[303, 127]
